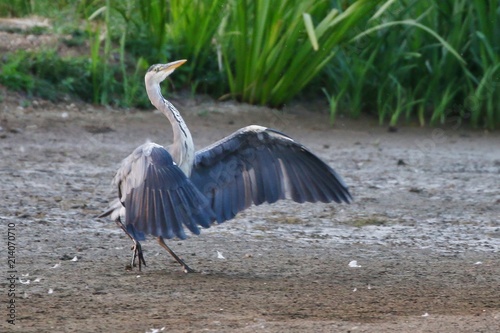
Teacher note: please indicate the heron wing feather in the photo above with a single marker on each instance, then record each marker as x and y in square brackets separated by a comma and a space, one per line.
[256, 165]
[158, 197]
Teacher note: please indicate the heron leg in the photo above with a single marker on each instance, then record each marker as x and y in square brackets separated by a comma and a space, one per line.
[187, 269]
[137, 248]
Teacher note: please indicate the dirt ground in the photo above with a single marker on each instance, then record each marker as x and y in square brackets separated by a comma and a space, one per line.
[423, 231]
[418, 250]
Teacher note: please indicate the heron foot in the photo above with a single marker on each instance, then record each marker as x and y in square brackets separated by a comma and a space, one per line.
[188, 269]
[137, 248]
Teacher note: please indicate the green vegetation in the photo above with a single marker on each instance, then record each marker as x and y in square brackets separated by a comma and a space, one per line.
[47, 75]
[428, 61]
[270, 57]
[434, 60]
[368, 221]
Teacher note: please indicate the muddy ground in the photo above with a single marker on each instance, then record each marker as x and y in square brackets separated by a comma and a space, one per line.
[423, 231]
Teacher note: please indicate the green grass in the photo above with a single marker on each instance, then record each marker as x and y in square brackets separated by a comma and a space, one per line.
[369, 221]
[46, 75]
[193, 27]
[429, 61]
[274, 50]
[426, 62]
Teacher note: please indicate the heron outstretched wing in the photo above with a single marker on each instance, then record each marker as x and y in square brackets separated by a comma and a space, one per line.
[256, 165]
[158, 197]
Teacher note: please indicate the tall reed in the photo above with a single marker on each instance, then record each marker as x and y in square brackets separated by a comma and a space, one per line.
[273, 49]
[434, 61]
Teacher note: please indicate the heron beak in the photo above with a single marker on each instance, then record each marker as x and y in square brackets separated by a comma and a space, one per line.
[173, 65]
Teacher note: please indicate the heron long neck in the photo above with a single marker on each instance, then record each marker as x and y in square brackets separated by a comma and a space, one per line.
[182, 149]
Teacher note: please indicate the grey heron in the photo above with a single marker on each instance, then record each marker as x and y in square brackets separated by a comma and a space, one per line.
[161, 190]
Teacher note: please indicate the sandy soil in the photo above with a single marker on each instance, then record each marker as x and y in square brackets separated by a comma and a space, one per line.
[424, 230]
[418, 251]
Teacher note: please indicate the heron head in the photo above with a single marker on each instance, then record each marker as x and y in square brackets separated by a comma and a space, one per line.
[157, 73]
